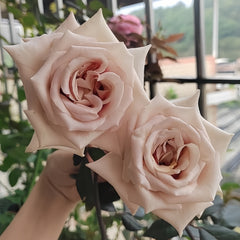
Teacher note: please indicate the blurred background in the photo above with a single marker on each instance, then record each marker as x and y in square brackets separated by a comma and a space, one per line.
[195, 45]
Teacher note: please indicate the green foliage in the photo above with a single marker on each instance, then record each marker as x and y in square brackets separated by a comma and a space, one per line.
[72, 235]
[171, 94]
[221, 233]
[130, 222]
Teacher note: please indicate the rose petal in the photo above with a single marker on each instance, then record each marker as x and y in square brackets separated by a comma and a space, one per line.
[215, 134]
[179, 219]
[102, 33]
[113, 163]
[140, 60]
[69, 23]
[53, 136]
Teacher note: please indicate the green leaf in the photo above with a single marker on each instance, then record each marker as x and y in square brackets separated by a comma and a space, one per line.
[231, 215]
[130, 223]
[21, 94]
[28, 20]
[4, 205]
[95, 5]
[14, 175]
[32, 158]
[109, 207]
[161, 230]
[221, 233]
[214, 211]
[229, 186]
[204, 235]
[16, 12]
[80, 4]
[85, 185]
[5, 220]
[7, 163]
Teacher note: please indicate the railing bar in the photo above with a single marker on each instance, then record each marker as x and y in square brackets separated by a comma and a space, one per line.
[2, 57]
[200, 51]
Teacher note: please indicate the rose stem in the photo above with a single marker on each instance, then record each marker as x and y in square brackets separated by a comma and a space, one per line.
[98, 210]
[189, 232]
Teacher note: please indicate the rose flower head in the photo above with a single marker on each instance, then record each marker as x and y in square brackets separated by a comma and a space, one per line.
[125, 24]
[171, 161]
[78, 82]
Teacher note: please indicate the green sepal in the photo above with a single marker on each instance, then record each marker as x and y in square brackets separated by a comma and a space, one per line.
[85, 185]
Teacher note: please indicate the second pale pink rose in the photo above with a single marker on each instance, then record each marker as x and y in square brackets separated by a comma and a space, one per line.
[171, 161]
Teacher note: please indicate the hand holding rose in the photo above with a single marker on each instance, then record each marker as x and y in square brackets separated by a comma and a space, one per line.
[46, 209]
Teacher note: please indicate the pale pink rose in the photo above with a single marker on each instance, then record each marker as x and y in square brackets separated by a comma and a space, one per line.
[171, 162]
[78, 81]
[125, 24]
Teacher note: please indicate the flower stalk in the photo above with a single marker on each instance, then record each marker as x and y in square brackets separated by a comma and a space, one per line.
[101, 224]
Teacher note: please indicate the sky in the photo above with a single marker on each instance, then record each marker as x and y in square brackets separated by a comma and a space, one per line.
[156, 4]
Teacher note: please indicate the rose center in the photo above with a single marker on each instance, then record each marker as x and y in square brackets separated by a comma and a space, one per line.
[165, 154]
[84, 82]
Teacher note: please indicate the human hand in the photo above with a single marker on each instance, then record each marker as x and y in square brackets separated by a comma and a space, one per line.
[57, 172]
[51, 200]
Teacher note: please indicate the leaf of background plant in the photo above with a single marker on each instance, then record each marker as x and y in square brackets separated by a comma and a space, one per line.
[228, 186]
[161, 230]
[16, 12]
[14, 175]
[32, 158]
[221, 233]
[109, 207]
[7, 163]
[231, 215]
[130, 223]
[174, 37]
[4, 204]
[139, 214]
[214, 211]
[204, 235]
[21, 94]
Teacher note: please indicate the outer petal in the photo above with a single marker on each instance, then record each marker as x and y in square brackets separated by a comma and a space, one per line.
[219, 139]
[180, 218]
[140, 60]
[97, 28]
[34, 57]
[53, 136]
[189, 101]
[160, 105]
[112, 163]
[70, 24]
